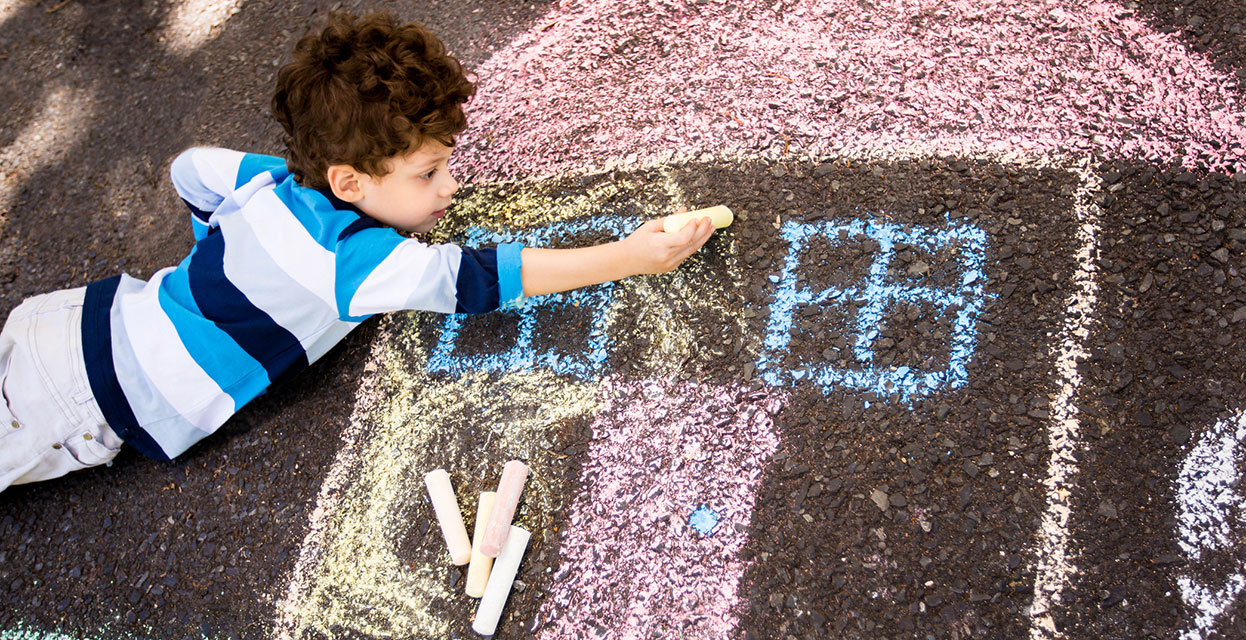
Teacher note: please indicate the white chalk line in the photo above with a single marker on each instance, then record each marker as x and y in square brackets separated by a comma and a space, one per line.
[1064, 440]
[1210, 514]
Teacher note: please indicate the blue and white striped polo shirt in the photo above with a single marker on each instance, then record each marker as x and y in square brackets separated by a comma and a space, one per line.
[279, 273]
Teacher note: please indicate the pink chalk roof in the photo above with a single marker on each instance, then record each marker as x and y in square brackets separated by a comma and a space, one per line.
[595, 84]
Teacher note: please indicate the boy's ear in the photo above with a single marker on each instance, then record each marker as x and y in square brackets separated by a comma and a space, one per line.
[344, 181]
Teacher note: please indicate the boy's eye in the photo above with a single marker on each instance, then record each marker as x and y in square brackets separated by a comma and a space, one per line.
[429, 174]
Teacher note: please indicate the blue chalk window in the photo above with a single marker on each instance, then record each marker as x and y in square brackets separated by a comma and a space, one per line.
[878, 297]
[585, 362]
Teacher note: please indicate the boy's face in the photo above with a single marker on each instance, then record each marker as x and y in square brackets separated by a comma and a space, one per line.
[414, 195]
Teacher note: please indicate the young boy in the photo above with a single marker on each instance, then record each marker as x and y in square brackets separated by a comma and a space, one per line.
[289, 256]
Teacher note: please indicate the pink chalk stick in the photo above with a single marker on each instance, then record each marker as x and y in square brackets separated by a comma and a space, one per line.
[509, 487]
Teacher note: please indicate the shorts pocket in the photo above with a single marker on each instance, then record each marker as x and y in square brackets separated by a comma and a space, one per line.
[88, 450]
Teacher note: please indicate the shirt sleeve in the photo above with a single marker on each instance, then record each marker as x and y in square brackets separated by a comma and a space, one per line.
[379, 271]
[204, 177]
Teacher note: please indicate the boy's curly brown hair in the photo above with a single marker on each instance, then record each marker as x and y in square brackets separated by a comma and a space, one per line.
[365, 90]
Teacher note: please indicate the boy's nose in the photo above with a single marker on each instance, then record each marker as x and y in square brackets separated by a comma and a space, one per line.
[449, 188]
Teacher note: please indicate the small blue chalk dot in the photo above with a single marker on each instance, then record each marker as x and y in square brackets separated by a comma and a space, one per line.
[704, 520]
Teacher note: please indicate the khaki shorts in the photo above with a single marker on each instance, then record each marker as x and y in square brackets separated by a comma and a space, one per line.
[49, 421]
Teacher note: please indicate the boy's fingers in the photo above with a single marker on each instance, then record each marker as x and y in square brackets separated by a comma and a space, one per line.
[704, 236]
[686, 241]
[700, 234]
[678, 238]
[705, 229]
[690, 231]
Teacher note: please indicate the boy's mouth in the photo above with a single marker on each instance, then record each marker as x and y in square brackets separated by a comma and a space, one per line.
[439, 213]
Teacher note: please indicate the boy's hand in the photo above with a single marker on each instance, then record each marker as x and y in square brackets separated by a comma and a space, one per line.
[653, 250]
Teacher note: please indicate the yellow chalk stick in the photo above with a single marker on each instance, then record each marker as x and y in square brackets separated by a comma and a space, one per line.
[721, 216]
[478, 569]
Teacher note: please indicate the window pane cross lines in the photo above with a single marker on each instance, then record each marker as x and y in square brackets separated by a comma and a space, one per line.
[942, 300]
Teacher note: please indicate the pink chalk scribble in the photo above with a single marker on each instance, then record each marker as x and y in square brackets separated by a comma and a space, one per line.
[605, 82]
[630, 561]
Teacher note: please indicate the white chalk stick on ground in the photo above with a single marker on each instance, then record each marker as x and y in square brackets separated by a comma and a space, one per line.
[721, 217]
[500, 581]
[448, 515]
[509, 488]
[478, 570]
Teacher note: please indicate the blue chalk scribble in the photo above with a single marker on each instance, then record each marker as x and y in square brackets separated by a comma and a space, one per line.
[585, 363]
[704, 520]
[874, 298]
